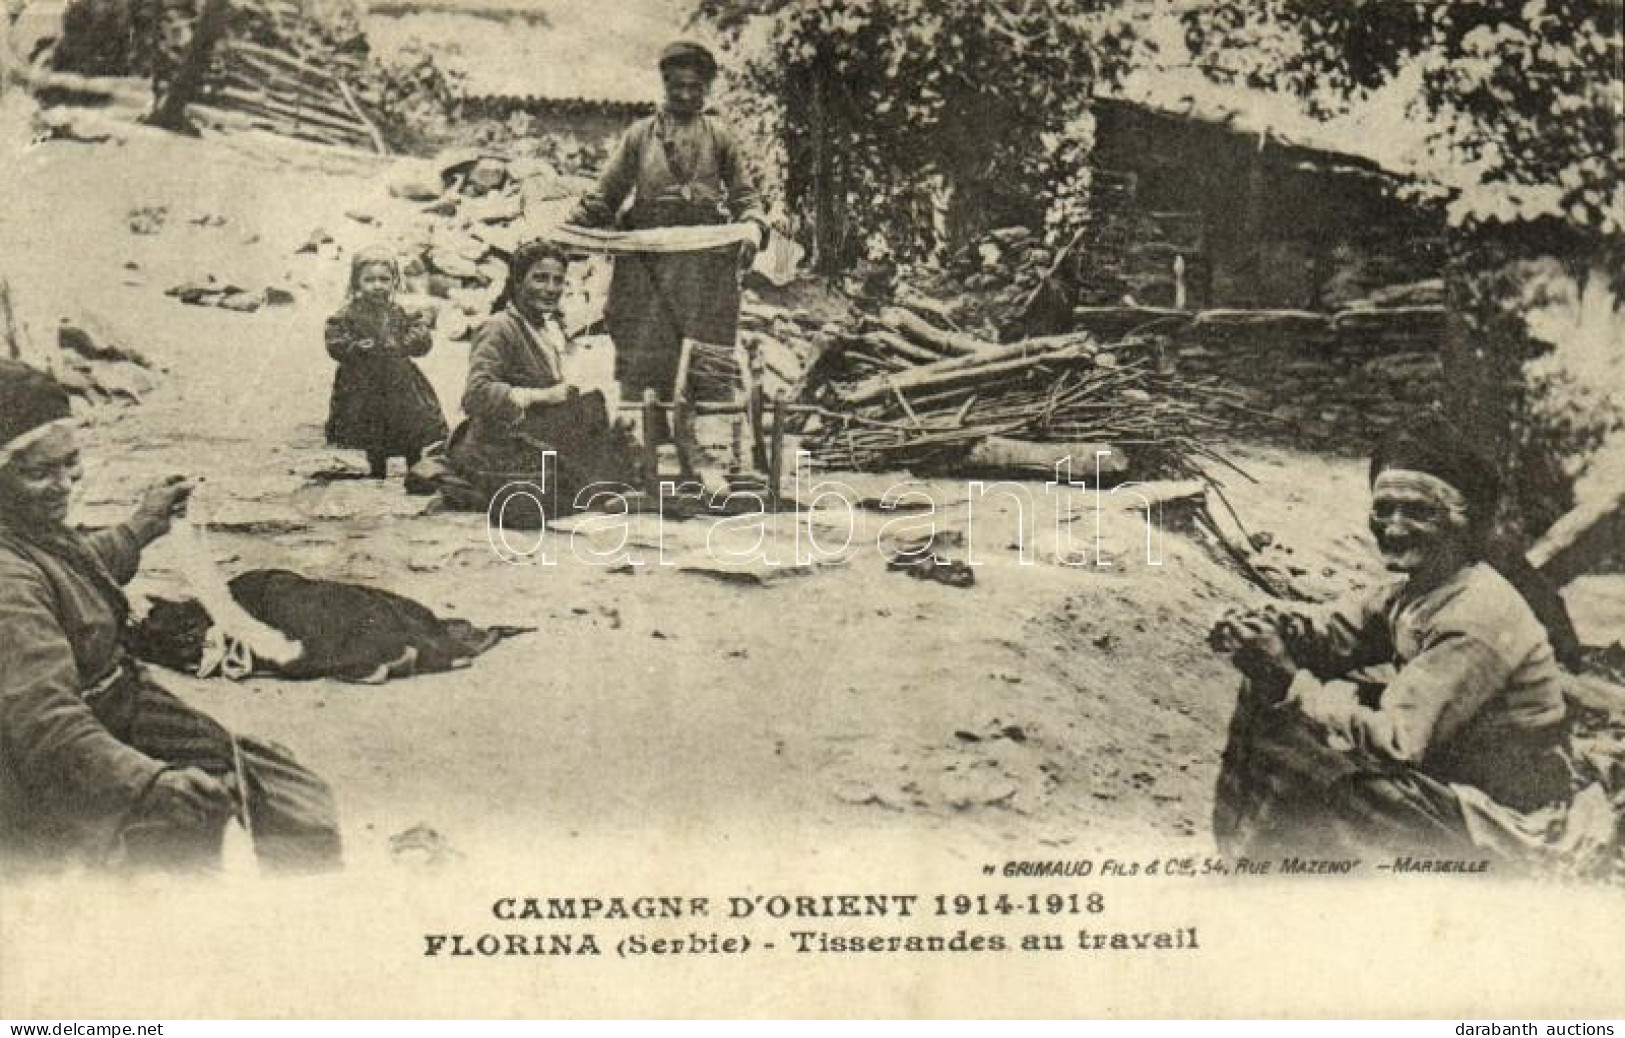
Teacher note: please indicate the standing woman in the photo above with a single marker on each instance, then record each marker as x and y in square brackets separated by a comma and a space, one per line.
[98, 763]
[679, 167]
[381, 402]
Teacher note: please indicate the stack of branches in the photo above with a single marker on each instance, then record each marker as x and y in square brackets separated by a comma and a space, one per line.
[268, 65]
[899, 393]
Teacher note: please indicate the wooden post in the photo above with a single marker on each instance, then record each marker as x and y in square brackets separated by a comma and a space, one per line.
[651, 449]
[680, 409]
[754, 400]
[378, 143]
[775, 456]
[1256, 204]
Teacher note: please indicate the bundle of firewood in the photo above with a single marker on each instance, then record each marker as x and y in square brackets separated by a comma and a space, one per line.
[266, 65]
[285, 94]
[900, 393]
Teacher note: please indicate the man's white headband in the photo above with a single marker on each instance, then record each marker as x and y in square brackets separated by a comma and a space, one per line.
[1424, 484]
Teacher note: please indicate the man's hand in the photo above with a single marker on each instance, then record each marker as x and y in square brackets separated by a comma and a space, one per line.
[158, 506]
[188, 798]
[1257, 632]
[749, 249]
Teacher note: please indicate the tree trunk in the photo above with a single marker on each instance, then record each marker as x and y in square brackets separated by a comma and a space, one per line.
[170, 110]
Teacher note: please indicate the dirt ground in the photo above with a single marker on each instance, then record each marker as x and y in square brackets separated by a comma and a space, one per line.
[1049, 706]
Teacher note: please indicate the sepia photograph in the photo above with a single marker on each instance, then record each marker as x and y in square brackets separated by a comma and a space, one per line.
[812, 508]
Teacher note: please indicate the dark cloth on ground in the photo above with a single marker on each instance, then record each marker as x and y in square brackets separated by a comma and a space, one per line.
[347, 631]
[381, 402]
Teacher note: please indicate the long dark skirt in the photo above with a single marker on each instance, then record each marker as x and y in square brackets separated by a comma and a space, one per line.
[384, 405]
[511, 475]
[655, 302]
[290, 809]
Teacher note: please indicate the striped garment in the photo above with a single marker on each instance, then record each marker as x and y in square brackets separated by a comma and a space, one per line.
[85, 732]
[289, 810]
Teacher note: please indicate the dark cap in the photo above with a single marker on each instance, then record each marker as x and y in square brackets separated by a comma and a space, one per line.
[1429, 443]
[688, 54]
[29, 398]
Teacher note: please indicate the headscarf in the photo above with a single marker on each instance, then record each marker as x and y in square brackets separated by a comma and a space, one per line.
[375, 255]
[32, 402]
[688, 54]
[1430, 448]
[519, 263]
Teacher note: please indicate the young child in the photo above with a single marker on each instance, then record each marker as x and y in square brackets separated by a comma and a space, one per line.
[381, 402]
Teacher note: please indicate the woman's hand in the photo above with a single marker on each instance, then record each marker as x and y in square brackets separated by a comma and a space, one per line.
[159, 505]
[188, 798]
[528, 398]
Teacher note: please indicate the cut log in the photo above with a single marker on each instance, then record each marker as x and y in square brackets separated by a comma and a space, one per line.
[1401, 321]
[1114, 322]
[885, 385]
[1002, 454]
[1590, 533]
[1293, 320]
[270, 78]
[279, 58]
[965, 368]
[918, 329]
[891, 342]
[237, 89]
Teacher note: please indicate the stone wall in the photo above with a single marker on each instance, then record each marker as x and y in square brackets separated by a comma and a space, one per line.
[1321, 382]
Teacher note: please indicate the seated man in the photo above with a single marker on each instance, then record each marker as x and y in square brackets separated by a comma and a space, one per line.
[1464, 752]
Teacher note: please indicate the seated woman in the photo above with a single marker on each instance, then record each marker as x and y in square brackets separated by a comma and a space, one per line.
[97, 762]
[519, 406]
[1464, 752]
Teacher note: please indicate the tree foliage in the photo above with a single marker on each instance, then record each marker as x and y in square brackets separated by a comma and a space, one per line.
[1524, 97]
[901, 118]
[1523, 100]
